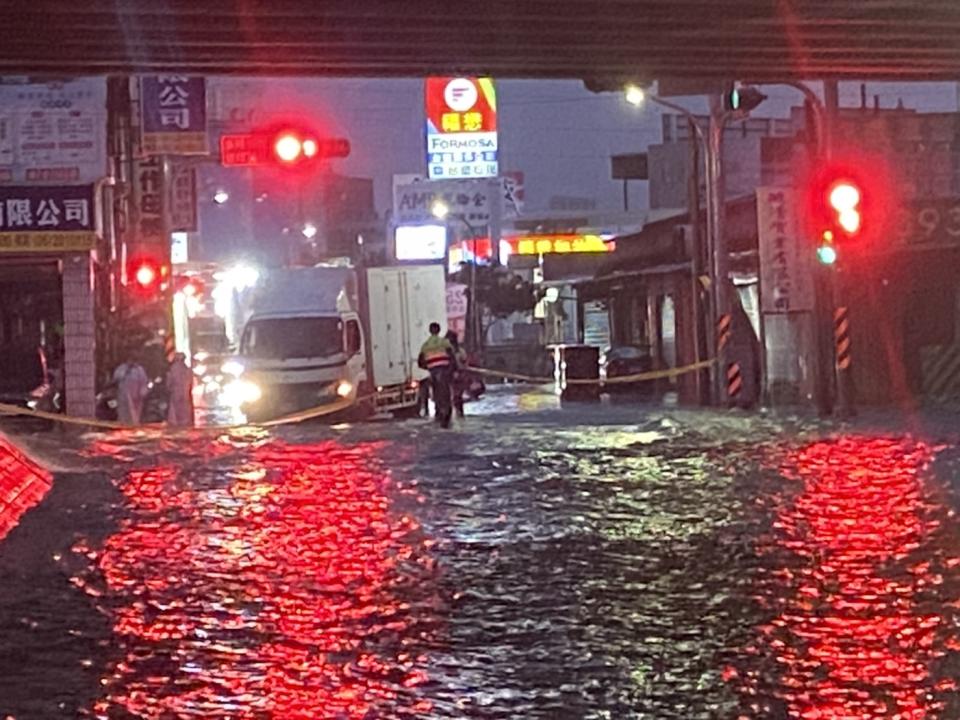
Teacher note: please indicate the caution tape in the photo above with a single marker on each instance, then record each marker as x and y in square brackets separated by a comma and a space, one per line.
[620, 380]
[290, 419]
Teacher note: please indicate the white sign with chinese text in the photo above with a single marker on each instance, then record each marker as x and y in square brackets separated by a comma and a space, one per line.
[466, 199]
[786, 283]
[53, 133]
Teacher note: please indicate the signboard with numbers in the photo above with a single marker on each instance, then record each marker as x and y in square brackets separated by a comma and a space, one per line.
[47, 218]
[173, 115]
[53, 133]
[461, 128]
[785, 275]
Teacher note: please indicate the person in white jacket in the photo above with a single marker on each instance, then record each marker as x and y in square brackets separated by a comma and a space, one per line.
[180, 392]
[132, 388]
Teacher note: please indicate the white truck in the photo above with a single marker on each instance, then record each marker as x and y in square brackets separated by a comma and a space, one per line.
[322, 334]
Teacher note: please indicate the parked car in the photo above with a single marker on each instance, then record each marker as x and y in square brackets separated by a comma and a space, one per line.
[622, 361]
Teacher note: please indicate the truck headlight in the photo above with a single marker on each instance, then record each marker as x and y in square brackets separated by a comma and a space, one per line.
[241, 392]
[344, 388]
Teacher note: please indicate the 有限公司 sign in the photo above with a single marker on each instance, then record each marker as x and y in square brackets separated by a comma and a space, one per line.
[461, 128]
[173, 115]
[47, 218]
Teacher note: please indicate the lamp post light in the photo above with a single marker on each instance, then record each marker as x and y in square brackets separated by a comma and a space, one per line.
[440, 210]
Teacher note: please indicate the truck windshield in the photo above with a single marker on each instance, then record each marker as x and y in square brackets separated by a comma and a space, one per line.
[285, 338]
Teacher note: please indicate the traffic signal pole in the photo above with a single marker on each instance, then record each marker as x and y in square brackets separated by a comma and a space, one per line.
[837, 323]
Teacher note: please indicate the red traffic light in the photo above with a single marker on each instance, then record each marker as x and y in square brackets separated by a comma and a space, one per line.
[146, 275]
[844, 198]
[287, 147]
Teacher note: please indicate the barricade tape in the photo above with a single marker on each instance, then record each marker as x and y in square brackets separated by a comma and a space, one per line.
[620, 380]
[292, 418]
[340, 405]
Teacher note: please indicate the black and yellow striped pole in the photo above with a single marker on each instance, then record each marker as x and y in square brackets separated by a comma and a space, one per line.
[843, 360]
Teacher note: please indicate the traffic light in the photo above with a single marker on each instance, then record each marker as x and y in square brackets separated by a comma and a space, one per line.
[146, 275]
[839, 206]
[740, 100]
[287, 147]
[147, 278]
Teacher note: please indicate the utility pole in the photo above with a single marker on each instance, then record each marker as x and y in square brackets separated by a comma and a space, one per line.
[696, 254]
[720, 254]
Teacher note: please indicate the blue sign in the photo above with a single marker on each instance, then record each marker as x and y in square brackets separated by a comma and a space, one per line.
[173, 115]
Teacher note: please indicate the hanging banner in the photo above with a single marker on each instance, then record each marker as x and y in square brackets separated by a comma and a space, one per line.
[457, 304]
[173, 115]
[148, 195]
[183, 197]
[785, 275]
[53, 133]
[461, 128]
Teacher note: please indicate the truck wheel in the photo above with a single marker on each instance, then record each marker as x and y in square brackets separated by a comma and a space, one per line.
[364, 407]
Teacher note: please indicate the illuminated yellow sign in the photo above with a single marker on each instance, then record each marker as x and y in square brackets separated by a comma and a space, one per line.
[544, 244]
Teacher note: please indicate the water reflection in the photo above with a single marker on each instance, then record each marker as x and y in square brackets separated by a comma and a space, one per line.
[281, 588]
[855, 582]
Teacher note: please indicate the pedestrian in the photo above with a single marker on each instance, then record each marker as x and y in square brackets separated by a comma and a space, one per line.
[132, 387]
[179, 393]
[436, 356]
[423, 397]
[460, 378]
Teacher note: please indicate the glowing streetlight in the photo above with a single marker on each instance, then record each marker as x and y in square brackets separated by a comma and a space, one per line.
[440, 209]
[221, 196]
[634, 95]
[309, 231]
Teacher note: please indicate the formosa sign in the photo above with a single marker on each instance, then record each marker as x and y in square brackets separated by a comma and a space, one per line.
[461, 128]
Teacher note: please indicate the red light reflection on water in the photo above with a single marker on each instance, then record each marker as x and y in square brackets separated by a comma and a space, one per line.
[859, 622]
[286, 589]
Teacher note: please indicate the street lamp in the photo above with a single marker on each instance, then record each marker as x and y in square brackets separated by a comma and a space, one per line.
[441, 210]
[309, 230]
[221, 196]
[635, 95]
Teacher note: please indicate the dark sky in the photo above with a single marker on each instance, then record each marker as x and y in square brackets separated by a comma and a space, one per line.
[558, 133]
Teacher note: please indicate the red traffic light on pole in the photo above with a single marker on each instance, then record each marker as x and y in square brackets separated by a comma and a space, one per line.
[146, 275]
[287, 147]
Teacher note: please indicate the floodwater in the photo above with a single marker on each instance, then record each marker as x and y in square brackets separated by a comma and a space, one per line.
[534, 562]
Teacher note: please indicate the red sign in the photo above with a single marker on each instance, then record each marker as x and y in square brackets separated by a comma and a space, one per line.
[460, 105]
[260, 149]
[246, 149]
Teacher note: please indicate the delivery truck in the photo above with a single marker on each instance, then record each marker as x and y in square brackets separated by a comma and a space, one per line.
[320, 335]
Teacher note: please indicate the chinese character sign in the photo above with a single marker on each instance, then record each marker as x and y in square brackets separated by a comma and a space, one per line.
[183, 197]
[469, 200]
[461, 128]
[173, 115]
[785, 274]
[50, 218]
[148, 196]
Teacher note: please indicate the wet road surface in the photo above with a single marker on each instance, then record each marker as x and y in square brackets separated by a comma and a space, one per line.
[532, 563]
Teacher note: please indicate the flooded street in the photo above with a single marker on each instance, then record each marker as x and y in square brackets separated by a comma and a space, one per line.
[534, 562]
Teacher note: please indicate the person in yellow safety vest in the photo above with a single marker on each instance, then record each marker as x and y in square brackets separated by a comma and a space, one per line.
[436, 355]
